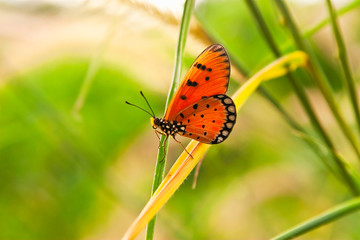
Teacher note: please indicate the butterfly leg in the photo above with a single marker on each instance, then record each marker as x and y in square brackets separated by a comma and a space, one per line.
[197, 172]
[157, 132]
[163, 146]
[182, 146]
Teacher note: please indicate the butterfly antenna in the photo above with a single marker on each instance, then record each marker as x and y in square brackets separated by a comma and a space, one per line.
[139, 108]
[147, 103]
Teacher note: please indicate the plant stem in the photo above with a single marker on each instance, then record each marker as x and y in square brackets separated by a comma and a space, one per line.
[347, 8]
[344, 62]
[300, 92]
[290, 120]
[161, 158]
[319, 77]
[92, 70]
[322, 219]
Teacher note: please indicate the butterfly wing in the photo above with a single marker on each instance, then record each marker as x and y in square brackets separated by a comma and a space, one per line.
[207, 76]
[209, 120]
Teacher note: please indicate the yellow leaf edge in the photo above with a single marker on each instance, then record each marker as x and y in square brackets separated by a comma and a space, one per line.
[185, 164]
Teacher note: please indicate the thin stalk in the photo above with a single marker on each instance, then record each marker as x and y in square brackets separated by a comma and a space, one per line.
[162, 153]
[316, 123]
[347, 8]
[288, 118]
[319, 76]
[263, 27]
[321, 24]
[334, 108]
[344, 62]
[92, 70]
[320, 220]
[300, 92]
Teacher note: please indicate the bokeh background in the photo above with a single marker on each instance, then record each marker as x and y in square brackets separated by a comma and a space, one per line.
[87, 175]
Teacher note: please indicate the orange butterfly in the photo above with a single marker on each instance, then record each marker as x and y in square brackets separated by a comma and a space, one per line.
[200, 109]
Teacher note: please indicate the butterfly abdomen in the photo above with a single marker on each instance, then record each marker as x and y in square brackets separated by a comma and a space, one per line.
[171, 127]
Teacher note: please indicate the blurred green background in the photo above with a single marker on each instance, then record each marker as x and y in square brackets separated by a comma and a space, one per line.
[63, 177]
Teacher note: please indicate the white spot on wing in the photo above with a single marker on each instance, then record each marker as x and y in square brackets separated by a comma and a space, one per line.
[227, 101]
[231, 109]
[229, 125]
[232, 117]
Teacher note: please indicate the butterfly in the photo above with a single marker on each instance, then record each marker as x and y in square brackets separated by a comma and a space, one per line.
[200, 108]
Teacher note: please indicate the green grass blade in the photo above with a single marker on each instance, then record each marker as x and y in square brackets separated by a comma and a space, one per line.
[161, 158]
[263, 27]
[300, 92]
[92, 70]
[289, 119]
[344, 62]
[319, 76]
[347, 8]
[320, 220]
[311, 31]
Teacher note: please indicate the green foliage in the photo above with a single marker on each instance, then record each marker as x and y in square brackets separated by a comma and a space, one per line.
[52, 168]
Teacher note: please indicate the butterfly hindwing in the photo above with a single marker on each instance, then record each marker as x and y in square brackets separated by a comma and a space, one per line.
[207, 76]
[209, 120]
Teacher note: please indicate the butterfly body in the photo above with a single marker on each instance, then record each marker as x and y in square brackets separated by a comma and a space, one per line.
[169, 128]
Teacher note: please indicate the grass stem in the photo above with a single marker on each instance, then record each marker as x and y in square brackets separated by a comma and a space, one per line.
[92, 70]
[319, 77]
[161, 158]
[350, 82]
[300, 92]
[347, 8]
[320, 220]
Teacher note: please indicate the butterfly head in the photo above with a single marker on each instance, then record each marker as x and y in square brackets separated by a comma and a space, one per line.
[155, 122]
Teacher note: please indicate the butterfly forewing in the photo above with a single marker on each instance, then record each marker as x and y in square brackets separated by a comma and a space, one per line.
[209, 120]
[208, 76]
